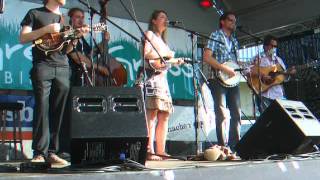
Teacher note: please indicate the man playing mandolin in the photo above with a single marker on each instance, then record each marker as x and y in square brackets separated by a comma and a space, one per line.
[271, 66]
[50, 80]
[216, 55]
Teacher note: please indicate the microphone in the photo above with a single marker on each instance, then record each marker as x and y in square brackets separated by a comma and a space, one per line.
[173, 23]
[239, 69]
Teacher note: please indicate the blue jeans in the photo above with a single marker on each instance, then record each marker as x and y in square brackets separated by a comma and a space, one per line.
[51, 87]
[226, 97]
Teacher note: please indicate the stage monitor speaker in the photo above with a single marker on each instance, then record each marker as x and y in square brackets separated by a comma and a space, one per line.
[285, 127]
[107, 125]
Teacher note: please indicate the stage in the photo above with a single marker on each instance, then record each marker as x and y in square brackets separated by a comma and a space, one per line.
[293, 168]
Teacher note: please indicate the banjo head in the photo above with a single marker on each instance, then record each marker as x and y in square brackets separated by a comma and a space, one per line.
[230, 81]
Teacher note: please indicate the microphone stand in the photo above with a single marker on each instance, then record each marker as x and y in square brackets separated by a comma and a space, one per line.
[259, 94]
[108, 80]
[196, 83]
[94, 11]
[142, 32]
[144, 38]
[85, 74]
[91, 42]
[106, 18]
[103, 53]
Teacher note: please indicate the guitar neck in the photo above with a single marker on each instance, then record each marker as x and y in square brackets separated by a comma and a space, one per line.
[96, 28]
[308, 65]
[169, 60]
[174, 60]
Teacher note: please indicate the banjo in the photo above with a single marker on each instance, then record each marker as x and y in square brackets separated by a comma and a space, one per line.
[224, 79]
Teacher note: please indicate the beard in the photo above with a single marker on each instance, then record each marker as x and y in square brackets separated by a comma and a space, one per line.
[232, 29]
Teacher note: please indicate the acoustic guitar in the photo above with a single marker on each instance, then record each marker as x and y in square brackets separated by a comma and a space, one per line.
[277, 73]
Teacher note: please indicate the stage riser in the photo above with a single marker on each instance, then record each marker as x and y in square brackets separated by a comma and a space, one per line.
[289, 170]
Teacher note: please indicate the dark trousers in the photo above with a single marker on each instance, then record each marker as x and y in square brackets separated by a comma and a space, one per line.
[226, 97]
[50, 86]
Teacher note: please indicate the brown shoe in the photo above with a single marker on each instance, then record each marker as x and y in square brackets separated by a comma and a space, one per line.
[56, 160]
[38, 159]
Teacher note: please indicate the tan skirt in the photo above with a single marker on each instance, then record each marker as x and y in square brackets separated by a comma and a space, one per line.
[155, 103]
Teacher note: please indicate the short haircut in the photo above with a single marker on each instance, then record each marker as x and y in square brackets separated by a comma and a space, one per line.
[268, 38]
[224, 17]
[73, 10]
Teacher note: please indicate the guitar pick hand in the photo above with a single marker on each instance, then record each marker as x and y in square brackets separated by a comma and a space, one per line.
[266, 79]
[52, 28]
[229, 71]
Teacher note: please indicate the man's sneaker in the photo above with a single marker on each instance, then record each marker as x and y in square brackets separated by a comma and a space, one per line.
[64, 155]
[56, 160]
[38, 159]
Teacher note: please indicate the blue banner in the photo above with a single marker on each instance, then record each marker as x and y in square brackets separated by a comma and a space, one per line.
[26, 113]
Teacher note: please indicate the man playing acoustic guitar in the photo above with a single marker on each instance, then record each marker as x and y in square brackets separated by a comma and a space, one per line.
[272, 72]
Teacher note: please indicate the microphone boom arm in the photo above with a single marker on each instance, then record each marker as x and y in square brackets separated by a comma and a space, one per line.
[93, 10]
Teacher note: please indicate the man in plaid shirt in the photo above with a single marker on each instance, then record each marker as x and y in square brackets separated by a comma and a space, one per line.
[215, 54]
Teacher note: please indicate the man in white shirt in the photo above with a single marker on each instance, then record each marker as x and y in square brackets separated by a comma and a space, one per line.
[269, 58]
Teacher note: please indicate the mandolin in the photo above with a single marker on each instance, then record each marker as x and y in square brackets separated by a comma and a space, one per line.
[158, 66]
[56, 41]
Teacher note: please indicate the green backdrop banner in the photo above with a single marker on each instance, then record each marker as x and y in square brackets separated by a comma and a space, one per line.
[16, 59]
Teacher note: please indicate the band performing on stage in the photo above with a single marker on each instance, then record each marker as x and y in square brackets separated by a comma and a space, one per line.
[67, 54]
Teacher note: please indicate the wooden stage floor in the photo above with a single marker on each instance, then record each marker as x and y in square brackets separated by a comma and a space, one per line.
[289, 169]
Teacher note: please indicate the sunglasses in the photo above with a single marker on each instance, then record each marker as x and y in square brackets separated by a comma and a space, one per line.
[231, 20]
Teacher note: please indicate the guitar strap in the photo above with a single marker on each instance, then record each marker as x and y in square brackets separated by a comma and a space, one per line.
[234, 47]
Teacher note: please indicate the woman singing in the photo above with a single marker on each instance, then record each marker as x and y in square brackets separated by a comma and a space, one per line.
[158, 98]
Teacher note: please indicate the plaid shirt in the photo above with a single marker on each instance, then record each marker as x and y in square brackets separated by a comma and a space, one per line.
[220, 51]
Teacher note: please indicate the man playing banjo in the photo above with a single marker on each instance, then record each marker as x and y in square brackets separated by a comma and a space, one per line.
[219, 56]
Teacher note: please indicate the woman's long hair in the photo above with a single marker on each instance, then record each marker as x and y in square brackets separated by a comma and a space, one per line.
[152, 27]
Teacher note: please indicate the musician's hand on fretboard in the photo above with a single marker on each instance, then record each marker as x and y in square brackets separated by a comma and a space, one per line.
[82, 31]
